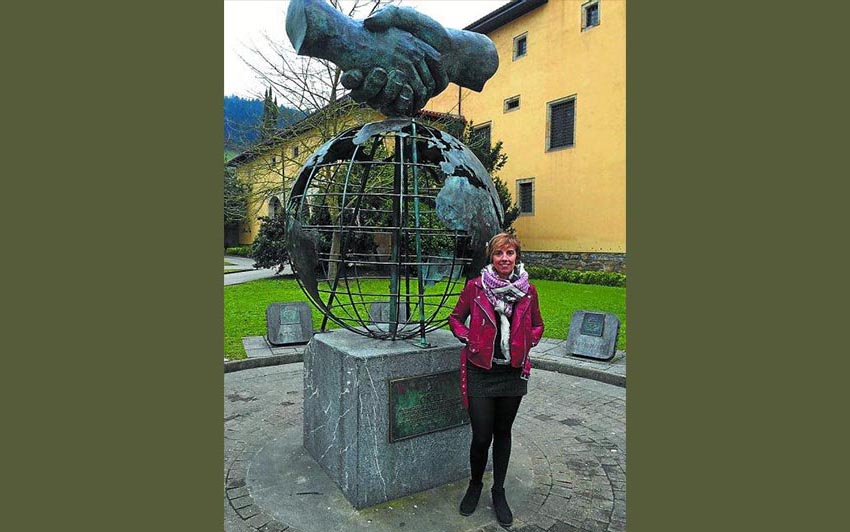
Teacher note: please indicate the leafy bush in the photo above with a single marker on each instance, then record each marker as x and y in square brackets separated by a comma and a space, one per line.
[577, 276]
[242, 251]
[269, 248]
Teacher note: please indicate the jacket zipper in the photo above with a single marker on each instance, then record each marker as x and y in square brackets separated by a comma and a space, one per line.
[493, 349]
[527, 351]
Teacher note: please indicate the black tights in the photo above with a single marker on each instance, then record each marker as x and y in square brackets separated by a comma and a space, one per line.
[491, 419]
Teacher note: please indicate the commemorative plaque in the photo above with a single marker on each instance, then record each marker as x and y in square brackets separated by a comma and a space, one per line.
[289, 323]
[593, 335]
[592, 324]
[424, 404]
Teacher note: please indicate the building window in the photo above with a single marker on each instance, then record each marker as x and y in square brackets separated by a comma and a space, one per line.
[295, 151]
[520, 46]
[480, 136]
[590, 15]
[562, 123]
[525, 195]
[512, 104]
[274, 162]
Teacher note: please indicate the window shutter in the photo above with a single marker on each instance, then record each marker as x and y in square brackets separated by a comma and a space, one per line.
[526, 204]
[562, 124]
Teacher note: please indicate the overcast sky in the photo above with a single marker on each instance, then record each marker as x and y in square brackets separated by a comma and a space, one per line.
[246, 22]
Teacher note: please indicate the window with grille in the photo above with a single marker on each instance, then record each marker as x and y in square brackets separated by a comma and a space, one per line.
[512, 104]
[525, 196]
[520, 46]
[481, 136]
[590, 15]
[562, 123]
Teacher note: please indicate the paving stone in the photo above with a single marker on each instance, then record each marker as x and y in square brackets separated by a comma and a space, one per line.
[561, 526]
[235, 493]
[254, 342]
[235, 482]
[242, 502]
[259, 520]
[543, 521]
[259, 352]
[248, 511]
[600, 515]
[592, 525]
[272, 526]
[528, 528]
[617, 525]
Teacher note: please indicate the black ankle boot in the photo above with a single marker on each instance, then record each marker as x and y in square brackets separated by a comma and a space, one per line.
[470, 500]
[500, 505]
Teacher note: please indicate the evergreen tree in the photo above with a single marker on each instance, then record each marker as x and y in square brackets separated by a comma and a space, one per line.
[271, 112]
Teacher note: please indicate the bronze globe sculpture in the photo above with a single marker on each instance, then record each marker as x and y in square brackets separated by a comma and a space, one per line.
[385, 222]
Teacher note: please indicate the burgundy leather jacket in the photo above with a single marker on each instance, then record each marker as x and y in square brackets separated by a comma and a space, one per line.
[480, 336]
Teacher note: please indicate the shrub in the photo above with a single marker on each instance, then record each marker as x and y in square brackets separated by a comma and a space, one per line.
[269, 249]
[577, 276]
[241, 251]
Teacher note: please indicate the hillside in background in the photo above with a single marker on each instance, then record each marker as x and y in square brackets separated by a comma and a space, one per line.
[242, 122]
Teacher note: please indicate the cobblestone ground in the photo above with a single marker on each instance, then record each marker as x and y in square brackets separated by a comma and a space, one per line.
[574, 428]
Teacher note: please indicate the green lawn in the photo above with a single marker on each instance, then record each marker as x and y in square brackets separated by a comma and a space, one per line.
[245, 307]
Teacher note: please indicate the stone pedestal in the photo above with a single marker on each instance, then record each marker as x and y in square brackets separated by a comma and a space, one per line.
[347, 379]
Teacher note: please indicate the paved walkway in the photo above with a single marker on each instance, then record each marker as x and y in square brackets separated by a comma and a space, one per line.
[567, 467]
[253, 275]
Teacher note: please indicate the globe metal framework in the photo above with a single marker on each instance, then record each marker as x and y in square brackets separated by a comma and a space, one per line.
[385, 222]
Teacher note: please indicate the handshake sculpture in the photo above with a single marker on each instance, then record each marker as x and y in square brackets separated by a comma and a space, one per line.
[395, 60]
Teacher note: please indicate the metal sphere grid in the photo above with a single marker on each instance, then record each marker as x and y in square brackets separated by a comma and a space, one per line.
[385, 189]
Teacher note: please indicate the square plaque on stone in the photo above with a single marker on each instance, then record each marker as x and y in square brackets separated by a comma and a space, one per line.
[593, 334]
[289, 323]
[425, 404]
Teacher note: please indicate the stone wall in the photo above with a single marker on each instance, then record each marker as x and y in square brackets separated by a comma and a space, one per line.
[612, 262]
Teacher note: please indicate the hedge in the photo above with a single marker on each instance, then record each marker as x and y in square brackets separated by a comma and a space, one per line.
[577, 276]
[242, 251]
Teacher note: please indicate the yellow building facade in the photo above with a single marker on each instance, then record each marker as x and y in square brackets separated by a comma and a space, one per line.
[562, 65]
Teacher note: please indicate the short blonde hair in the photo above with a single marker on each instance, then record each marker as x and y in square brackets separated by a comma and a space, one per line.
[501, 240]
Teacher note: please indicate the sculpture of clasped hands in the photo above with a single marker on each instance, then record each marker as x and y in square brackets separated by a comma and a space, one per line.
[395, 60]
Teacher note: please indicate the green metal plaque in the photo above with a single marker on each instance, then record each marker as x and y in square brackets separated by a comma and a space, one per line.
[592, 324]
[424, 404]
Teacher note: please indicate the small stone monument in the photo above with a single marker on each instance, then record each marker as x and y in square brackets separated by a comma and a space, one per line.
[379, 313]
[593, 334]
[289, 323]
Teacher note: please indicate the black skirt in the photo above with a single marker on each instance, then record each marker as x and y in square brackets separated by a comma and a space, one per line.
[500, 381]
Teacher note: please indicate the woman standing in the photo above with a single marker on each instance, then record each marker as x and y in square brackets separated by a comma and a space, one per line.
[504, 323]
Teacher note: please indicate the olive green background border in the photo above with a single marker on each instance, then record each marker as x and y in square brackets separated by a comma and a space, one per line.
[731, 240]
[113, 381]
[113, 374]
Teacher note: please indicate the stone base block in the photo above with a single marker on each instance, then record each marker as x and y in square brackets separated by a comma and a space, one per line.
[347, 416]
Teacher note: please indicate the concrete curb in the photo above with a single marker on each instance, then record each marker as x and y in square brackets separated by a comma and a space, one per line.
[259, 362]
[579, 371]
